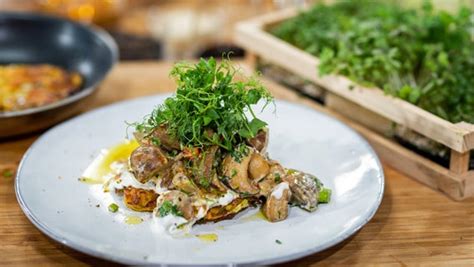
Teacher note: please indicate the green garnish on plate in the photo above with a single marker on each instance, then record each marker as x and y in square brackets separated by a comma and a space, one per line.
[169, 208]
[209, 107]
[113, 208]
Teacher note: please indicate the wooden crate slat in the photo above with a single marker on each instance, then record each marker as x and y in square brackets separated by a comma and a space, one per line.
[421, 169]
[358, 114]
[459, 162]
[252, 36]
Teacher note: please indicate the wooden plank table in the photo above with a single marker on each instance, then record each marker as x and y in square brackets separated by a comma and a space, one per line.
[414, 225]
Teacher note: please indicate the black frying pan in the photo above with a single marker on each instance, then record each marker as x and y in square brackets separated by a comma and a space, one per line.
[33, 38]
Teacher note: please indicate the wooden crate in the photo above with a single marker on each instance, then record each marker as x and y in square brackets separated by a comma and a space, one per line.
[371, 107]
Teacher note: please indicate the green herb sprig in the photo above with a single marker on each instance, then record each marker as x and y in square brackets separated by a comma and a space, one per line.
[169, 208]
[209, 107]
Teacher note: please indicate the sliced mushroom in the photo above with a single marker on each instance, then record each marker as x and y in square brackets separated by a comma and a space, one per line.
[304, 188]
[179, 199]
[266, 186]
[275, 175]
[207, 161]
[203, 168]
[183, 183]
[178, 167]
[237, 173]
[165, 140]
[146, 162]
[218, 185]
[258, 167]
[260, 140]
[166, 175]
[276, 206]
[139, 199]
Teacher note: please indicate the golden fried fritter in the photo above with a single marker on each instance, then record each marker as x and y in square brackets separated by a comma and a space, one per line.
[226, 212]
[28, 86]
[139, 199]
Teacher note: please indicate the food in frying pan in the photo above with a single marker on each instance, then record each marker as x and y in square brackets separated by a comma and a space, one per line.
[29, 86]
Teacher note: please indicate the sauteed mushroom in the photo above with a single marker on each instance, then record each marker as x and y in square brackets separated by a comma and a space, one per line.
[203, 168]
[146, 162]
[275, 176]
[304, 188]
[276, 207]
[164, 139]
[183, 183]
[237, 172]
[260, 141]
[258, 167]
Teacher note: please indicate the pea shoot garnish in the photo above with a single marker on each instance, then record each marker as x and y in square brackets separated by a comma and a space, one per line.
[209, 107]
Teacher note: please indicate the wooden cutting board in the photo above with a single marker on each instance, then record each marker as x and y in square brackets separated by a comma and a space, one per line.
[414, 225]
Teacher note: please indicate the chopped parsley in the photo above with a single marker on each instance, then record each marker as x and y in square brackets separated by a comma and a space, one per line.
[113, 208]
[277, 177]
[239, 152]
[169, 208]
[204, 182]
[278, 242]
[155, 141]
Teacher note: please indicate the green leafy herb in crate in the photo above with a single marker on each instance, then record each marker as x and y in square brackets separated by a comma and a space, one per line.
[424, 56]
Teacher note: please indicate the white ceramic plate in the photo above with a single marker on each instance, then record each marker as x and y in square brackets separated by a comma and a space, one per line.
[49, 193]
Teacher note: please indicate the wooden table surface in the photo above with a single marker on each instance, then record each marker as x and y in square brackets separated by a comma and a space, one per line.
[414, 225]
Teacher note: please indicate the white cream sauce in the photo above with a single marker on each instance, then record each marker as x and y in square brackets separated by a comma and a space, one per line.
[227, 198]
[170, 224]
[124, 178]
[279, 189]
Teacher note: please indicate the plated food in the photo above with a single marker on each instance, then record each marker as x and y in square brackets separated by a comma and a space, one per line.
[201, 156]
[28, 86]
[77, 214]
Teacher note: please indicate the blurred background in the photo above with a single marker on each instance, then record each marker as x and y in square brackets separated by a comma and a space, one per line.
[172, 29]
